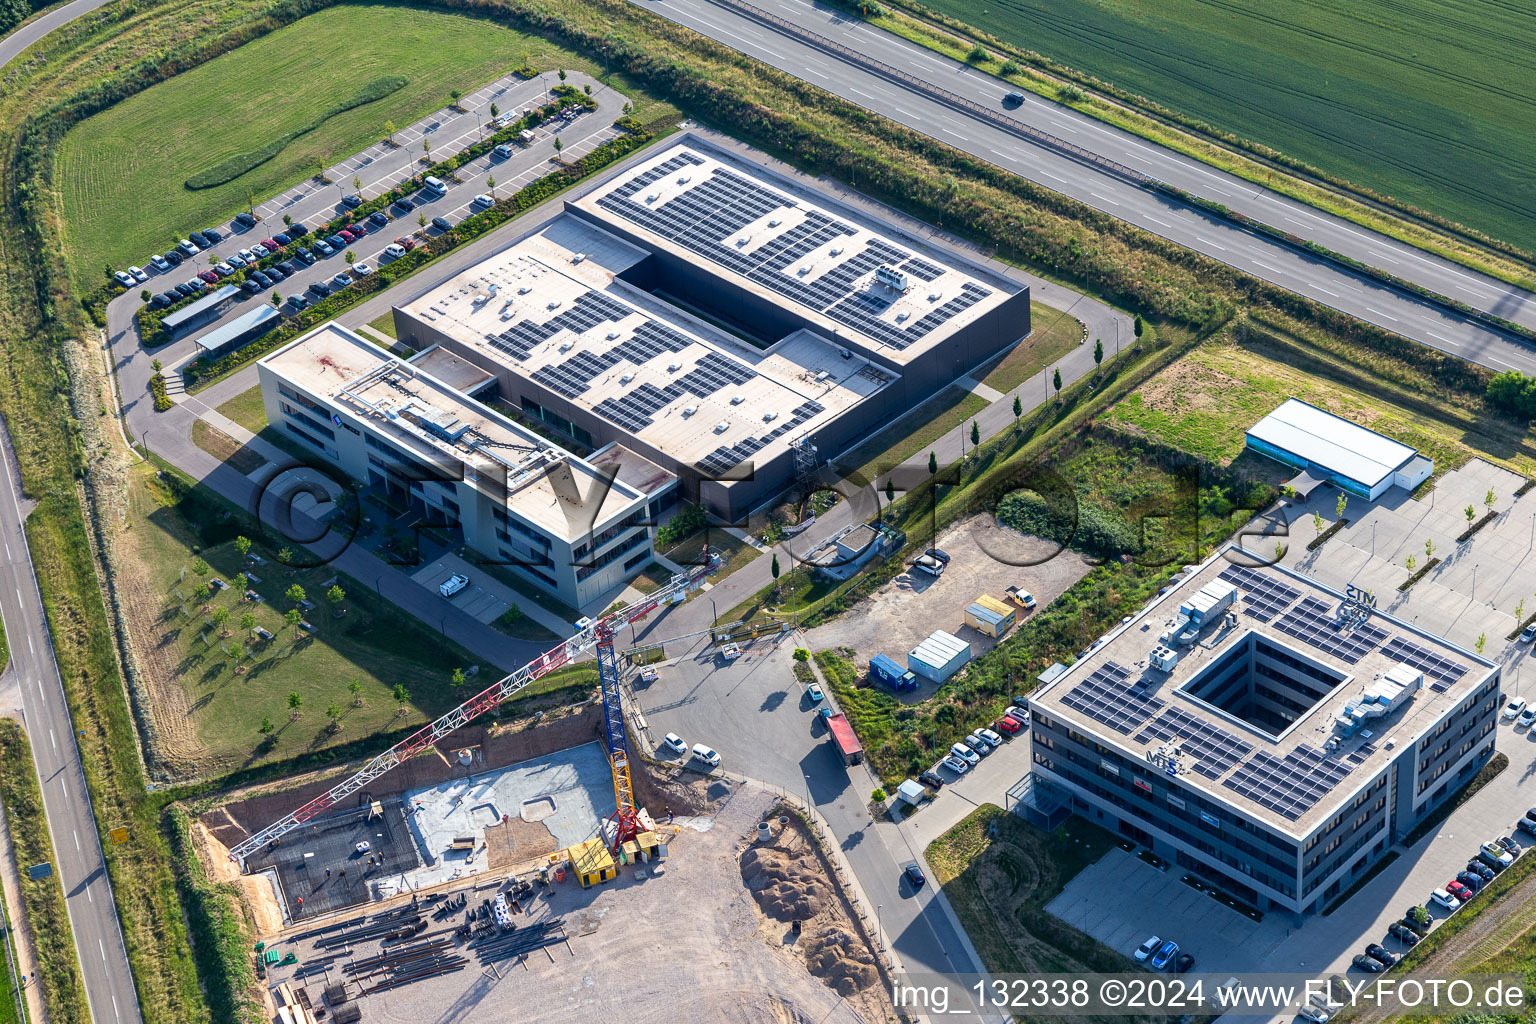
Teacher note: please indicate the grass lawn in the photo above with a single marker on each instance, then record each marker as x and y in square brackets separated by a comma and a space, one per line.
[120, 172]
[999, 872]
[373, 642]
[225, 448]
[385, 324]
[247, 410]
[1401, 98]
[524, 627]
[912, 434]
[1054, 335]
[736, 553]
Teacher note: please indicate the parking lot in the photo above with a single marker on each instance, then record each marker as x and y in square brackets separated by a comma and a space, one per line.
[380, 168]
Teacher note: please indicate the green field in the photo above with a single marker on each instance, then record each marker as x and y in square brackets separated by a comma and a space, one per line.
[120, 173]
[1427, 101]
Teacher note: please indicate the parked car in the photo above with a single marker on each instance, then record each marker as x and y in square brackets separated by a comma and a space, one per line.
[1007, 725]
[453, 584]
[281, 239]
[977, 744]
[320, 288]
[209, 276]
[1184, 964]
[394, 250]
[159, 301]
[137, 273]
[260, 278]
[965, 753]
[1510, 846]
[379, 217]
[347, 236]
[223, 269]
[172, 296]
[938, 553]
[1528, 633]
[1315, 1014]
[705, 754]
[1403, 933]
[1513, 709]
[200, 238]
[1445, 899]
[1527, 717]
[1165, 953]
[160, 263]
[323, 247]
[1367, 964]
[914, 874]
[1527, 826]
[245, 220]
[1494, 849]
[361, 269]
[441, 223]
[990, 736]
[1471, 881]
[296, 231]
[931, 779]
[1458, 890]
[1381, 954]
[359, 230]
[1480, 869]
[673, 742]
[306, 255]
[956, 764]
[814, 692]
[1147, 948]
[185, 290]
[405, 204]
[249, 287]
[340, 281]
[298, 302]
[1018, 714]
[352, 201]
[123, 278]
[928, 564]
[260, 251]
[213, 234]
[503, 151]
[337, 241]
[275, 272]
[406, 242]
[483, 200]
[173, 257]
[197, 286]
[247, 255]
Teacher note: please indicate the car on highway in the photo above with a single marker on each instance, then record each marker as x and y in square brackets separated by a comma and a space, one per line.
[323, 247]
[453, 584]
[1458, 890]
[1445, 899]
[378, 217]
[361, 269]
[1013, 99]
[1513, 708]
[673, 742]
[352, 201]
[123, 278]
[406, 242]
[483, 200]
[1493, 849]
[955, 764]
[1165, 954]
[914, 875]
[1367, 964]
[394, 250]
[160, 263]
[931, 779]
[1147, 948]
[814, 692]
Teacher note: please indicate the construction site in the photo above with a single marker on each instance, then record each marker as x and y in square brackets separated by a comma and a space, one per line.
[539, 870]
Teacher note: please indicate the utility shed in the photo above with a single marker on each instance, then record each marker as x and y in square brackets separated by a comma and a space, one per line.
[592, 862]
[939, 657]
[1330, 449]
[911, 792]
[990, 616]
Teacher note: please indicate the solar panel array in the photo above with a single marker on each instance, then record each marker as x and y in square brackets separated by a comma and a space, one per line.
[1444, 671]
[1357, 756]
[709, 217]
[589, 310]
[1105, 697]
[1215, 750]
[1289, 786]
[1264, 596]
[1311, 622]
[729, 456]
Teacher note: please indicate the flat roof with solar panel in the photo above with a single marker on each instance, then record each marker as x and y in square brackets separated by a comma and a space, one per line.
[878, 290]
[1278, 697]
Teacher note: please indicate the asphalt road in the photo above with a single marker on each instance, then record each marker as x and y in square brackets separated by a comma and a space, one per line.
[1269, 260]
[81, 870]
[30, 33]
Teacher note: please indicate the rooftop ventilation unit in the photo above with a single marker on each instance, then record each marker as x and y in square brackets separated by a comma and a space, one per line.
[651, 198]
[845, 353]
[579, 257]
[903, 315]
[891, 278]
[567, 345]
[775, 222]
[554, 304]
[612, 335]
[837, 250]
[1163, 658]
[684, 179]
[689, 410]
[626, 378]
[803, 271]
[674, 367]
[823, 376]
[525, 289]
[769, 417]
[744, 239]
[737, 399]
[722, 426]
[935, 296]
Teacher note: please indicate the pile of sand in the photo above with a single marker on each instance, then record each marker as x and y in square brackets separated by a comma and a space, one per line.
[835, 956]
[788, 887]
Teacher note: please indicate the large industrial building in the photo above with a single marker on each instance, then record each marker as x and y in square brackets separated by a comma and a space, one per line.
[573, 527]
[720, 320]
[1330, 449]
[1263, 731]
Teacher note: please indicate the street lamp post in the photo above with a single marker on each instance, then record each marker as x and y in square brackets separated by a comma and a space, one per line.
[879, 931]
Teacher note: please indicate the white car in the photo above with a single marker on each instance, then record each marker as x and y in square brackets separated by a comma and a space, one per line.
[1513, 709]
[1445, 899]
[260, 251]
[673, 742]
[361, 269]
[1315, 1014]
[453, 584]
[955, 764]
[1497, 852]
[160, 263]
[394, 250]
[1527, 717]
[705, 754]
[247, 256]
[990, 736]
[123, 278]
[484, 200]
[187, 246]
[138, 274]
[965, 754]
[1147, 948]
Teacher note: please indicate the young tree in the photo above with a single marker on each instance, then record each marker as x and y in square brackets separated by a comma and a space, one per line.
[802, 655]
[401, 696]
[333, 712]
[357, 184]
[774, 568]
[890, 490]
[1317, 521]
[1429, 548]
[933, 464]
[495, 110]
[1279, 550]
[320, 168]
[426, 150]
[295, 702]
[587, 89]
[293, 618]
[237, 653]
[1489, 499]
[336, 595]
[200, 567]
[457, 679]
[1136, 327]
[243, 545]
[1056, 382]
[1411, 563]
[975, 433]
[1342, 504]
[421, 220]
[1520, 611]
[1482, 641]
[285, 555]
[562, 74]
[220, 616]
[295, 593]
[156, 365]
[266, 726]
[240, 583]
[490, 183]
[355, 687]
[145, 295]
[277, 300]
[247, 622]
[1098, 351]
[1471, 513]
[1018, 408]
[454, 94]
[202, 593]
[351, 257]
[389, 131]
[558, 144]
[287, 220]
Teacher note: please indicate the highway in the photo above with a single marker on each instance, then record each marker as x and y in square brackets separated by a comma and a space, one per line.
[1264, 258]
[81, 869]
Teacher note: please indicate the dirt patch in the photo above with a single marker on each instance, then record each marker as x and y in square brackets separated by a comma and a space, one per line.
[835, 956]
[788, 886]
[255, 890]
[985, 558]
[515, 842]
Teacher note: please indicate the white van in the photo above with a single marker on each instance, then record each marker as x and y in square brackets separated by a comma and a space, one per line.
[705, 754]
[433, 184]
[453, 584]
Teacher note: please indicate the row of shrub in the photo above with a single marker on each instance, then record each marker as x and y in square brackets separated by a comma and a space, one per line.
[157, 389]
[240, 163]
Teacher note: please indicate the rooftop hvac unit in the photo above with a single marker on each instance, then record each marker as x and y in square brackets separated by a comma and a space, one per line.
[737, 399]
[626, 378]
[689, 410]
[525, 289]
[823, 376]
[567, 345]
[902, 315]
[674, 367]
[891, 278]
[612, 335]
[803, 271]
[651, 198]
[935, 296]
[744, 239]
[579, 257]
[775, 222]
[837, 250]
[845, 353]
[554, 304]
[722, 426]
[1163, 658]
[683, 179]
[769, 417]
